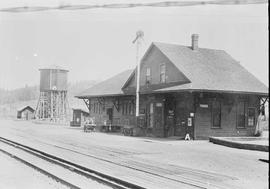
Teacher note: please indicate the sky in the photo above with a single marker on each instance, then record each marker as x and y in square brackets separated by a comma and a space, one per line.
[97, 44]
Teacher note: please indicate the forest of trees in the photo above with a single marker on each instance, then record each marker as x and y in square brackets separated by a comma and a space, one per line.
[21, 94]
[32, 92]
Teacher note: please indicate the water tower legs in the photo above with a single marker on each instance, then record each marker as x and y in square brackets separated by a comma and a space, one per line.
[52, 106]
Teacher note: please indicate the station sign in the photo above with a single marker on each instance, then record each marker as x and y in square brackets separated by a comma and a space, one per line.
[204, 105]
[158, 104]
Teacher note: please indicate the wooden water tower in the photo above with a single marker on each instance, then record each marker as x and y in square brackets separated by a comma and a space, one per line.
[53, 104]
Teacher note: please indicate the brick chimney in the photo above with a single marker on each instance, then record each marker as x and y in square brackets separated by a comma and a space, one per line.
[194, 41]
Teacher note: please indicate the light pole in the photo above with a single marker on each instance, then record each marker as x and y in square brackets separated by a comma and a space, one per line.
[138, 41]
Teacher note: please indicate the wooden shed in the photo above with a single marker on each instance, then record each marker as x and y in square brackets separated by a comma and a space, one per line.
[26, 113]
[79, 117]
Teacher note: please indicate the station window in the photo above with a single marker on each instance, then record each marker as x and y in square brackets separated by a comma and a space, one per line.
[251, 116]
[94, 108]
[132, 109]
[216, 114]
[162, 73]
[148, 75]
[123, 108]
[127, 108]
[241, 114]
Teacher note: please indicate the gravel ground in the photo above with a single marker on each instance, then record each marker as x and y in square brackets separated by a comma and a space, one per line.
[166, 157]
[15, 174]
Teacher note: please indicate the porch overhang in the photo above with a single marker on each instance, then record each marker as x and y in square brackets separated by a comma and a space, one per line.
[262, 94]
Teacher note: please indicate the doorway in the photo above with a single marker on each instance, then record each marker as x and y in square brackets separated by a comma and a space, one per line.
[169, 125]
[158, 119]
[154, 119]
[149, 115]
[110, 115]
[184, 122]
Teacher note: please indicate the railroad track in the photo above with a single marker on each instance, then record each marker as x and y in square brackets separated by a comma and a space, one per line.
[113, 182]
[12, 149]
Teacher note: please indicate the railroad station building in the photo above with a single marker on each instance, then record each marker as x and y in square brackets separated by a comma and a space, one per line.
[183, 89]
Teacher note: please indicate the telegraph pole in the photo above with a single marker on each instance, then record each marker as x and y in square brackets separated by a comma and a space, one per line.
[138, 41]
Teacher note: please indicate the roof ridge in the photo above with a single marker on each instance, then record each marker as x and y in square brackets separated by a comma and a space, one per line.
[207, 68]
[174, 44]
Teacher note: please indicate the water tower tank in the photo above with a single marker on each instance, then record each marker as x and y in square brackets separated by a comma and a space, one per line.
[53, 78]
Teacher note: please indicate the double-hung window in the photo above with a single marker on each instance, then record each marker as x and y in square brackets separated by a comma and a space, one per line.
[251, 116]
[162, 73]
[241, 113]
[148, 75]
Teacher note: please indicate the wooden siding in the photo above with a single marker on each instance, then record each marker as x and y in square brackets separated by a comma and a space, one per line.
[79, 117]
[53, 80]
[182, 105]
[203, 118]
[25, 114]
[154, 59]
[118, 118]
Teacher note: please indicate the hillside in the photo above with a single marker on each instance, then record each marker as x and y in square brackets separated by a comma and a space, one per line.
[12, 100]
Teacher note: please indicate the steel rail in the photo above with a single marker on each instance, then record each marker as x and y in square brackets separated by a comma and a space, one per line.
[109, 180]
[187, 181]
[54, 177]
[89, 173]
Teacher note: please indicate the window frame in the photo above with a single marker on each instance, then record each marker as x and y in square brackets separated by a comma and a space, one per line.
[123, 108]
[133, 109]
[100, 108]
[94, 107]
[148, 76]
[126, 109]
[129, 108]
[161, 73]
[254, 119]
[237, 120]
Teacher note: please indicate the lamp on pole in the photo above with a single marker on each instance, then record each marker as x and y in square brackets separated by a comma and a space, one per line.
[138, 41]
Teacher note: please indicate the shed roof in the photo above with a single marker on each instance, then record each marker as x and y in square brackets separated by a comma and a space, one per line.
[110, 87]
[210, 70]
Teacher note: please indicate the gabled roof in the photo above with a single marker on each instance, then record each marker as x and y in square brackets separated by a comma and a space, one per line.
[109, 87]
[210, 70]
[205, 69]
[26, 107]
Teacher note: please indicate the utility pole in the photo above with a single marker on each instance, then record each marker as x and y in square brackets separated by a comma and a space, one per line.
[138, 41]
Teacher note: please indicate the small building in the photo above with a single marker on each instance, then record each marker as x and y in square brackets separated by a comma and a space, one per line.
[183, 90]
[26, 113]
[79, 117]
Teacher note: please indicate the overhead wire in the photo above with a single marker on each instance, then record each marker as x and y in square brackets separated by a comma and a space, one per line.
[131, 5]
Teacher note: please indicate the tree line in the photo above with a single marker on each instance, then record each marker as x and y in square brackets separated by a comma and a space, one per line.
[32, 92]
